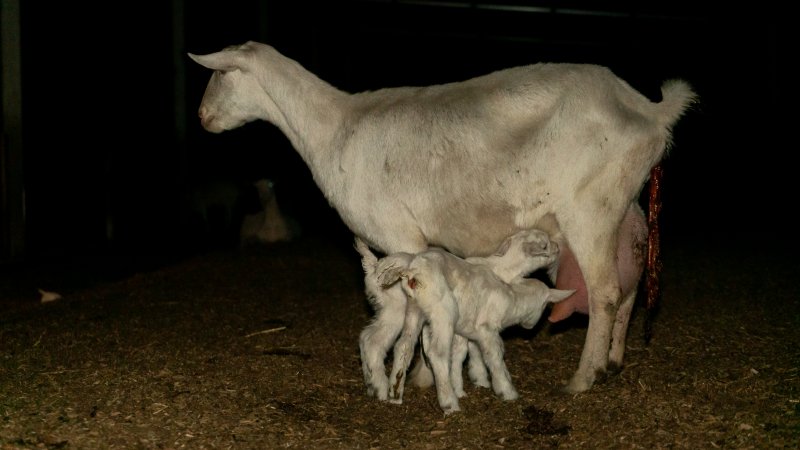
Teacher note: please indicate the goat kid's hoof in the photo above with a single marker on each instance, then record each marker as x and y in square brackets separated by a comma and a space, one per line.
[395, 398]
[381, 394]
[482, 383]
[451, 410]
[509, 396]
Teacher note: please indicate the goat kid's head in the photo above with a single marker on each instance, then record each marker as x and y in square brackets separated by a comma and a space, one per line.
[541, 296]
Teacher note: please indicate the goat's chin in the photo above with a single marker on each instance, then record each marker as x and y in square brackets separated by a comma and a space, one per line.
[211, 126]
[217, 127]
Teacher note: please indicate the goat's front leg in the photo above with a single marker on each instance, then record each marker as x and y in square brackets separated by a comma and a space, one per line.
[491, 345]
[376, 339]
[404, 351]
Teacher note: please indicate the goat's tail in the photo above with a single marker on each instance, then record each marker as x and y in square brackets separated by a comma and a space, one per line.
[678, 96]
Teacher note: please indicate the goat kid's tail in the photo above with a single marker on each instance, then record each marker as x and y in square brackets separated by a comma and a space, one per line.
[678, 96]
[391, 268]
[368, 259]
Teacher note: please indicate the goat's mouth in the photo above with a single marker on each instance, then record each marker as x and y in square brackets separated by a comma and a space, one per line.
[210, 125]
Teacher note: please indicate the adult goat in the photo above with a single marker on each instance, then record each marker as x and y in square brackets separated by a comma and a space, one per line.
[565, 148]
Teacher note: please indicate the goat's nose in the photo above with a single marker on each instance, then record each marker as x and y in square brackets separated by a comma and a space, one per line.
[201, 112]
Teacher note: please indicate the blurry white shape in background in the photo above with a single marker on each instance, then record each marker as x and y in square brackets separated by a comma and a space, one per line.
[269, 224]
[48, 297]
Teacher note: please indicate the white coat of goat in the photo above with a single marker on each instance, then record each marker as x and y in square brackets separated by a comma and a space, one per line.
[565, 148]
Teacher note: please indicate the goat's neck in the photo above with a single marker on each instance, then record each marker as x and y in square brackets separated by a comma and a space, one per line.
[305, 108]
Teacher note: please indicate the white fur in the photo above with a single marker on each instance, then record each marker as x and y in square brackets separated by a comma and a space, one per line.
[565, 148]
[461, 300]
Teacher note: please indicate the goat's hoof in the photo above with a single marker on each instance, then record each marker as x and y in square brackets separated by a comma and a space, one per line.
[614, 368]
[577, 385]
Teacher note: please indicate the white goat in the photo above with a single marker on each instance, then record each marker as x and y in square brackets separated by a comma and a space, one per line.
[471, 299]
[565, 148]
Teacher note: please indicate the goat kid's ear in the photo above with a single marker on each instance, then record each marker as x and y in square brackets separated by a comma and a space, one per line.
[558, 295]
[225, 61]
[501, 251]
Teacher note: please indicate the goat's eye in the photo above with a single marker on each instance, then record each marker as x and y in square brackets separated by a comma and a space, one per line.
[412, 283]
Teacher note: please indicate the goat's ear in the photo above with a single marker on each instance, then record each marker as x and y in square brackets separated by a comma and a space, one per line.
[226, 60]
[557, 295]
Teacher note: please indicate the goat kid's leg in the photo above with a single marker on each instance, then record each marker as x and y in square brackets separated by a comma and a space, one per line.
[404, 351]
[421, 375]
[491, 345]
[458, 355]
[437, 339]
[376, 339]
[476, 367]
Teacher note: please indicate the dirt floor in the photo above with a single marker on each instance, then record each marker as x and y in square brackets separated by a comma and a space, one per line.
[257, 348]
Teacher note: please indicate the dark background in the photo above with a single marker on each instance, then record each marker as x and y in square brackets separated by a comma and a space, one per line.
[112, 143]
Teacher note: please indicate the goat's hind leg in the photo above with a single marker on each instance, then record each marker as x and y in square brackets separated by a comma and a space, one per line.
[476, 367]
[631, 257]
[620, 332]
[437, 341]
[491, 345]
[596, 255]
[376, 339]
[404, 351]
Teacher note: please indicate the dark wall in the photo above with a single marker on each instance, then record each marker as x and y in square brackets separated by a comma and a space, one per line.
[105, 136]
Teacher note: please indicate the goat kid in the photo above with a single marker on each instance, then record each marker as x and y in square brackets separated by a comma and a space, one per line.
[464, 302]
[565, 148]
[518, 256]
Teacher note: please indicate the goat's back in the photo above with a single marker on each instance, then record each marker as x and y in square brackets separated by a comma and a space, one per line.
[478, 160]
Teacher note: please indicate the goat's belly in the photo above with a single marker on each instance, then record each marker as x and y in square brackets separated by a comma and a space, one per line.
[630, 263]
